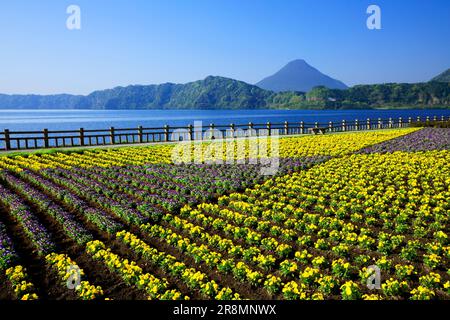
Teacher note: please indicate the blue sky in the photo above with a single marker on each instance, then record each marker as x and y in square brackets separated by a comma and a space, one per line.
[156, 41]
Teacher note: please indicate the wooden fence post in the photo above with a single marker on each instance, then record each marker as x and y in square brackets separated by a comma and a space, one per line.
[46, 144]
[112, 135]
[82, 137]
[269, 128]
[211, 131]
[302, 127]
[7, 140]
[166, 132]
[232, 129]
[250, 129]
[286, 128]
[140, 134]
[190, 132]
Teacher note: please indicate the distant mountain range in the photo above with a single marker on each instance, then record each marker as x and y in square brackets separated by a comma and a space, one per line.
[210, 93]
[298, 75]
[443, 77]
[224, 93]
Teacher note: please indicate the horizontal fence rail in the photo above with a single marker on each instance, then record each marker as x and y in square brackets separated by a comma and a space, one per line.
[21, 140]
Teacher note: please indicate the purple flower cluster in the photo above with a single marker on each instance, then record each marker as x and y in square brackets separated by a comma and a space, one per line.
[423, 140]
[93, 194]
[95, 216]
[35, 231]
[72, 228]
[7, 252]
[135, 191]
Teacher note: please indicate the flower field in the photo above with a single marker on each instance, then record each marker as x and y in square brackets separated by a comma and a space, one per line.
[423, 140]
[127, 223]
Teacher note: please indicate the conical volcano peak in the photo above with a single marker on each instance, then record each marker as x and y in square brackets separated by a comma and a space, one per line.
[298, 75]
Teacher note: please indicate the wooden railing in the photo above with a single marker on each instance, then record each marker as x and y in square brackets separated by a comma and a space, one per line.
[21, 140]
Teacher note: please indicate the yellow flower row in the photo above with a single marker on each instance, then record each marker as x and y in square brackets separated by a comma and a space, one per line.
[132, 274]
[70, 275]
[297, 146]
[193, 278]
[18, 278]
[202, 253]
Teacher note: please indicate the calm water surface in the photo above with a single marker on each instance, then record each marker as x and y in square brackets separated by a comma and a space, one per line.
[30, 120]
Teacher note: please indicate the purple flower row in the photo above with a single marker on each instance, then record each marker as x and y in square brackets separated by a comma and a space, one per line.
[72, 228]
[92, 196]
[197, 182]
[100, 193]
[95, 216]
[34, 230]
[423, 140]
[7, 253]
[150, 190]
[122, 187]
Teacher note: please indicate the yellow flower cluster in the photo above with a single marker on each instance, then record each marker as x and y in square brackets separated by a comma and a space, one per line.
[132, 274]
[309, 275]
[89, 158]
[194, 279]
[293, 291]
[67, 270]
[272, 284]
[203, 253]
[294, 146]
[422, 293]
[350, 291]
[372, 297]
[336, 144]
[253, 238]
[392, 287]
[18, 278]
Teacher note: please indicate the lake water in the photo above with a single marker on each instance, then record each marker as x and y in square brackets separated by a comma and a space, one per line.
[31, 120]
